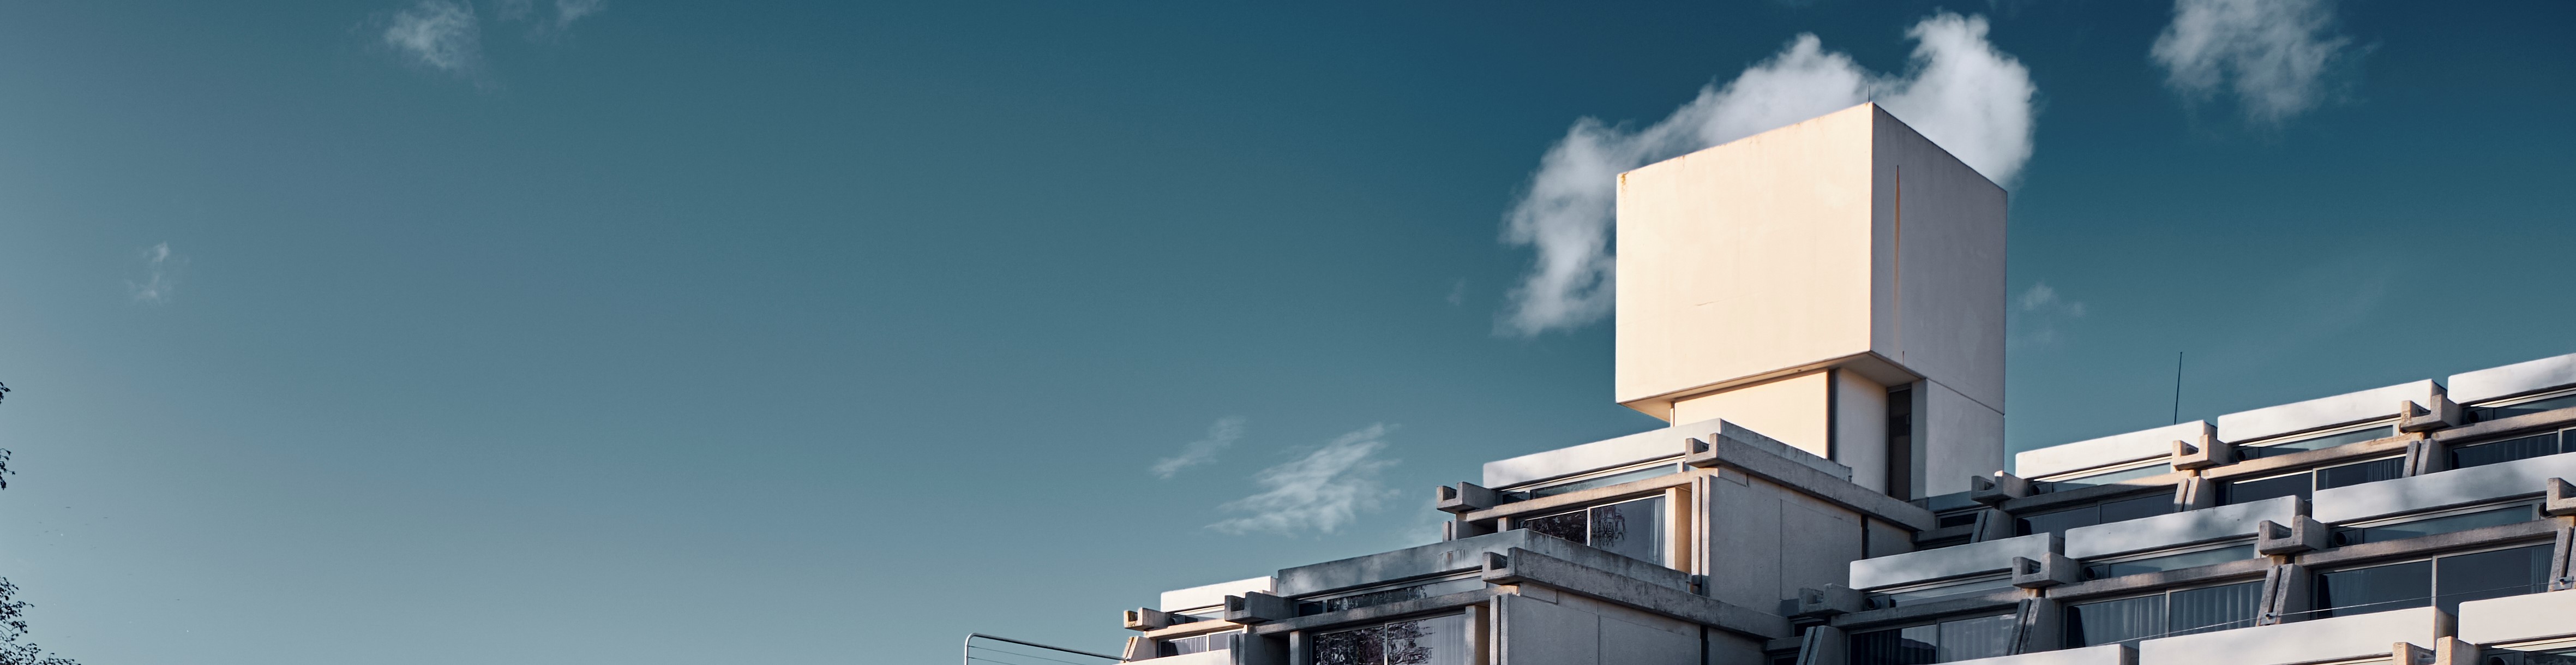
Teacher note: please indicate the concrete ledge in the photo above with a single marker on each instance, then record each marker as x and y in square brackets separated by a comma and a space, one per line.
[2339, 638]
[1458, 556]
[1520, 566]
[1731, 453]
[2249, 570]
[1604, 454]
[2525, 423]
[1994, 601]
[2324, 412]
[1220, 657]
[1377, 613]
[2127, 488]
[2457, 487]
[1993, 556]
[2179, 529]
[2108, 654]
[2520, 378]
[1701, 450]
[1213, 595]
[2518, 618]
[2501, 535]
[1626, 490]
[2354, 451]
[2114, 449]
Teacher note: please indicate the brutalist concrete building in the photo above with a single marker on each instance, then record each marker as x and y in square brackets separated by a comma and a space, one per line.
[1818, 312]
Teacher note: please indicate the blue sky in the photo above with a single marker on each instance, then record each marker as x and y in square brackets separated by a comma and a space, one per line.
[657, 332]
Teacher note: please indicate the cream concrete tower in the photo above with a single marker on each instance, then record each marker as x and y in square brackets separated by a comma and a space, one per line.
[1797, 280]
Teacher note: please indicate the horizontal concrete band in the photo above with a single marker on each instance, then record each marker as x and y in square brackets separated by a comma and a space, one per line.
[1992, 556]
[1461, 555]
[2108, 654]
[2457, 487]
[2179, 529]
[2338, 638]
[2515, 379]
[1213, 594]
[2115, 449]
[1519, 566]
[1605, 454]
[2536, 616]
[2325, 412]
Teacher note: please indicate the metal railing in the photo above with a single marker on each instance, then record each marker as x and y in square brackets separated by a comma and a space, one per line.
[1018, 653]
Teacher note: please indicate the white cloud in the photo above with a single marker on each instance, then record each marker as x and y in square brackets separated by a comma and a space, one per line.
[439, 34]
[566, 11]
[2043, 315]
[1321, 492]
[161, 275]
[2273, 54]
[1220, 436]
[1960, 92]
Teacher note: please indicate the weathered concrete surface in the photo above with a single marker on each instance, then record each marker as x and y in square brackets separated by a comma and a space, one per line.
[1461, 555]
[1607, 453]
[2339, 638]
[2114, 449]
[1519, 566]
[2529, 376]
[2457, 487]
[1993, 556]
[2179, 529]
[2108, 654]
[2324, 412]
[1213, 595]
[2518, 618]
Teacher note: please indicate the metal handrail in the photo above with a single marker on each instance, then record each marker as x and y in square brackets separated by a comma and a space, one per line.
[966, 649]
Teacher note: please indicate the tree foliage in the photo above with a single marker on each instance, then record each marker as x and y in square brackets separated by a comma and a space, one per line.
[14, 647]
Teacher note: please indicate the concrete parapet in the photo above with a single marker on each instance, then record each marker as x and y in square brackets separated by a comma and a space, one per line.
[2457, 487]
[2115, 449]
[1520, 566]
[2179, 529]
[1213, 595]
[2325, 412]
[2108, 654]
[2339, 638]
[1727, 435]
[1993, 556]
[1461, 555]
[2518, 618]
[1594, 456]
[2520, 378]
[1735, 451]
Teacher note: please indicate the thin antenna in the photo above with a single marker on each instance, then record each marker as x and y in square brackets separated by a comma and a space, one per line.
[2177, 387]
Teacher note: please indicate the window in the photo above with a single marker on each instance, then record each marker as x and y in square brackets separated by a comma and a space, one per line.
[2168, 562]
[1919, 595]
[1599, 480]
[2304, 483]
[1959, 639]
[2550, 655]
[1633, 528]
[2426, 526]
[2100, 513]
[2479, 414]
[1353, 601]
[1182, 646]
[2443, 582]
[2319, 442]
[2106, 477]
[1440, 640]
[1903, 476]
[2508, 450]
[2128, 620]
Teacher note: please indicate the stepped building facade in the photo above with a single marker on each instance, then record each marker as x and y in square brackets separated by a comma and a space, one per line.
[1818, 312]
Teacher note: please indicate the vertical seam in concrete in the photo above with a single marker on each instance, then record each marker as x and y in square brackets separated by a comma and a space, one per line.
[1896, 290]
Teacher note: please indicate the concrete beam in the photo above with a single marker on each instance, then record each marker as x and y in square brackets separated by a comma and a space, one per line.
[1257, 607]
[1520, 566]
[2529, 422]
[1465, 498]
[2458, 487]
[1739, 453]
[1597, 495]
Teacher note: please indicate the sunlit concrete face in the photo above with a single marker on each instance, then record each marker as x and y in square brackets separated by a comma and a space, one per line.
[1846, 243]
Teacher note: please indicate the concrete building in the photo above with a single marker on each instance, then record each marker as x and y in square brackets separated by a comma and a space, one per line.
[1817, 311]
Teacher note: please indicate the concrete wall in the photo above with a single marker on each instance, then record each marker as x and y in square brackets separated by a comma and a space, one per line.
[1766, 541]
[2324, 412]
[1460, 555]
[1791, 410]
[2339, 638]
[2114, 449]
[2108, 654]
[1940, 228]
[2457, 487]
[2515, 379]
[1860, 428]
[1993, 556]
[1965, 439]
[2179, 529]
[2536, 616]
[1213, 594]
[1548, 628]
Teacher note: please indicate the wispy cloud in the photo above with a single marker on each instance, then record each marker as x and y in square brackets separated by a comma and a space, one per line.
[2274, 55]
[1960, 92]
[1220, 436]
[439, 34]
[1321, 492]
[565, 11]
[2044, 312]
[160, 275]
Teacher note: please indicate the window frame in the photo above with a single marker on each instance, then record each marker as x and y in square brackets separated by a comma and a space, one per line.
[2433, 579]
[2185, 550]
[1665, 534]
[2388, 425]
[1527, 491]
[2335, 531]
[2069, 620]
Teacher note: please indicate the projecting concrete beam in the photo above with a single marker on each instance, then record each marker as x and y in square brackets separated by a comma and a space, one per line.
[1520, 566]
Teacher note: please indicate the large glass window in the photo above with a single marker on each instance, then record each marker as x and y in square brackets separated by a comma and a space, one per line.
[1438, 640]
[1959, 639]
[1182, 646]
[2105, 478]
[2305, 483]
[2479, 414]
[2320, 442]
[1353, 601]
[2508, 450]
[2443, 582]
[2355, 535]
[1603, 480]
[2100, 513]
[2168, 562]
[1633, 528]
[2128, 620]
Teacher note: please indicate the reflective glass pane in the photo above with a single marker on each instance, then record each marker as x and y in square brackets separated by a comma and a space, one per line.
[2214, 608]
[1634, 528]
[2486, 413]
[2375, 589]
[1351, 647]
[2249, 491]
[2504, 451]
[1433, 641]
[2365, 472]
[2315, 443]
[1982, 637]
[2115, 621]
[2175, 562]
[2427, 527]
[2494, 574]
[1895, 646]
[1569, 526]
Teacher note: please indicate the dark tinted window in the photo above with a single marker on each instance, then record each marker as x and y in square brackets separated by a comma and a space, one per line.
[1982, 637]
[2505, 451]
[1633, 528]
[2175, 562]
[1569, 526]
[2102, 513]
[1895, 646]
[2496, 574]
[2427, 527]
[2486, 413]
[2115, 621]
[2215, 608]
[2375, 589]
[1432, 641]
[2249, 491]
[2365, 472]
